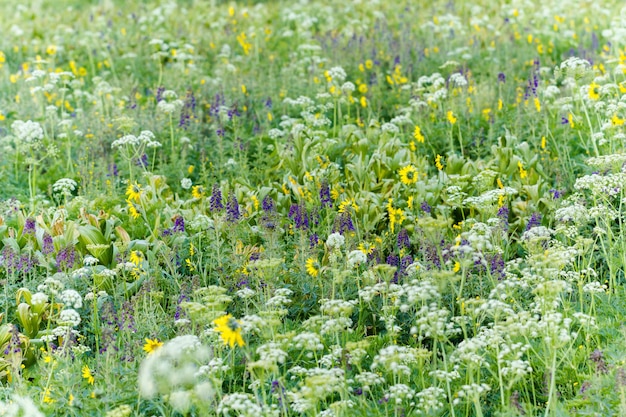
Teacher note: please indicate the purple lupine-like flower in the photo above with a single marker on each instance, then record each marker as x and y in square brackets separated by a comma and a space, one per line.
[215, 201]
[501, 77]
[233, 112]
[65, 258]
[503, 215]
[343, 223]
[127, 319]
[232, 209]
[47, 246]
[180, 313]
[534, 221]
[113, 171]
[188, 110]
[220, 132]
[159, 94]
[268, 204]
[179, 225]
[425, 207]
[25, 263]
[325, 194]
[268, 103]
[142, 161]
[564, 120]
[496, 266]
[109, 319]
[314, 240]
[393, 260]
[403, 239]
[15, 344]
[299, 215]
[30, 226]
[556, 194]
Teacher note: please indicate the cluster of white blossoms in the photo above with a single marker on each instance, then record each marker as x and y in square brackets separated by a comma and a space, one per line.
[28, 131]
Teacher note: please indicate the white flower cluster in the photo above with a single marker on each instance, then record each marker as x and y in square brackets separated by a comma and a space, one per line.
[145, 138]
[335, 241]
[64, 186]
[243, 405]
[51, 286]
[19, 407]
[71, 298]
[69, 317]
[399, 393]
[28, 131]
[174, 368]
[337, 308]
[356, 258]
[395, 359]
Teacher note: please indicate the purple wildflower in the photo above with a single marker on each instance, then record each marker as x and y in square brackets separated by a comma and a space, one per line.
[314, 240]
[501, 77]
[47, 244]
[325, 194]
[65, 258]
[268, 204]
[29, 226]
[232, 209]
[403, 239]
[215, 200]
[299, 215]
[534, 221]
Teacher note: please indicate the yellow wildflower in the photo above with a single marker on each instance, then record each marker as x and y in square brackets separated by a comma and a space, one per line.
[438, 163]
[229, 330]
[197, 191]
[417, 134]
[451, 118]
[594, 91]
[408, 175]
[88, 375]
[151, 345]
[311, 269]
[133, 192]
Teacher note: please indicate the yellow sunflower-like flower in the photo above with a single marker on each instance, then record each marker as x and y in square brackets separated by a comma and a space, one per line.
[133, 210]
[311, 269]
[594, 91]
[87, 375]
[151, 345]
[451, 117]
[229, 329]
[408, 175]
[197, 191]
[133, 192]
[417, 134]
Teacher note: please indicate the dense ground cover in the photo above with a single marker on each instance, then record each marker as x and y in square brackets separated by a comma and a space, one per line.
[312, 208]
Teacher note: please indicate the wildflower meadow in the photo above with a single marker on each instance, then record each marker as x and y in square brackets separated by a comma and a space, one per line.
[312, 208]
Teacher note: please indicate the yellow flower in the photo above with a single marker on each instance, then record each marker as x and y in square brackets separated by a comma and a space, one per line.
[229, 330]
[616, 121]
[86, 372]
[457, 266]
[417, 134]
[133, 192]
[438, 163]
[51, 49]
[132, 210]
[451, 118]
[311, 269]
[408, 175]
[46, 397]
[396, 216]
[522, 172]
[152, 345]
[537, 104]
[594, 93]
[197, 191]
[136, 257]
